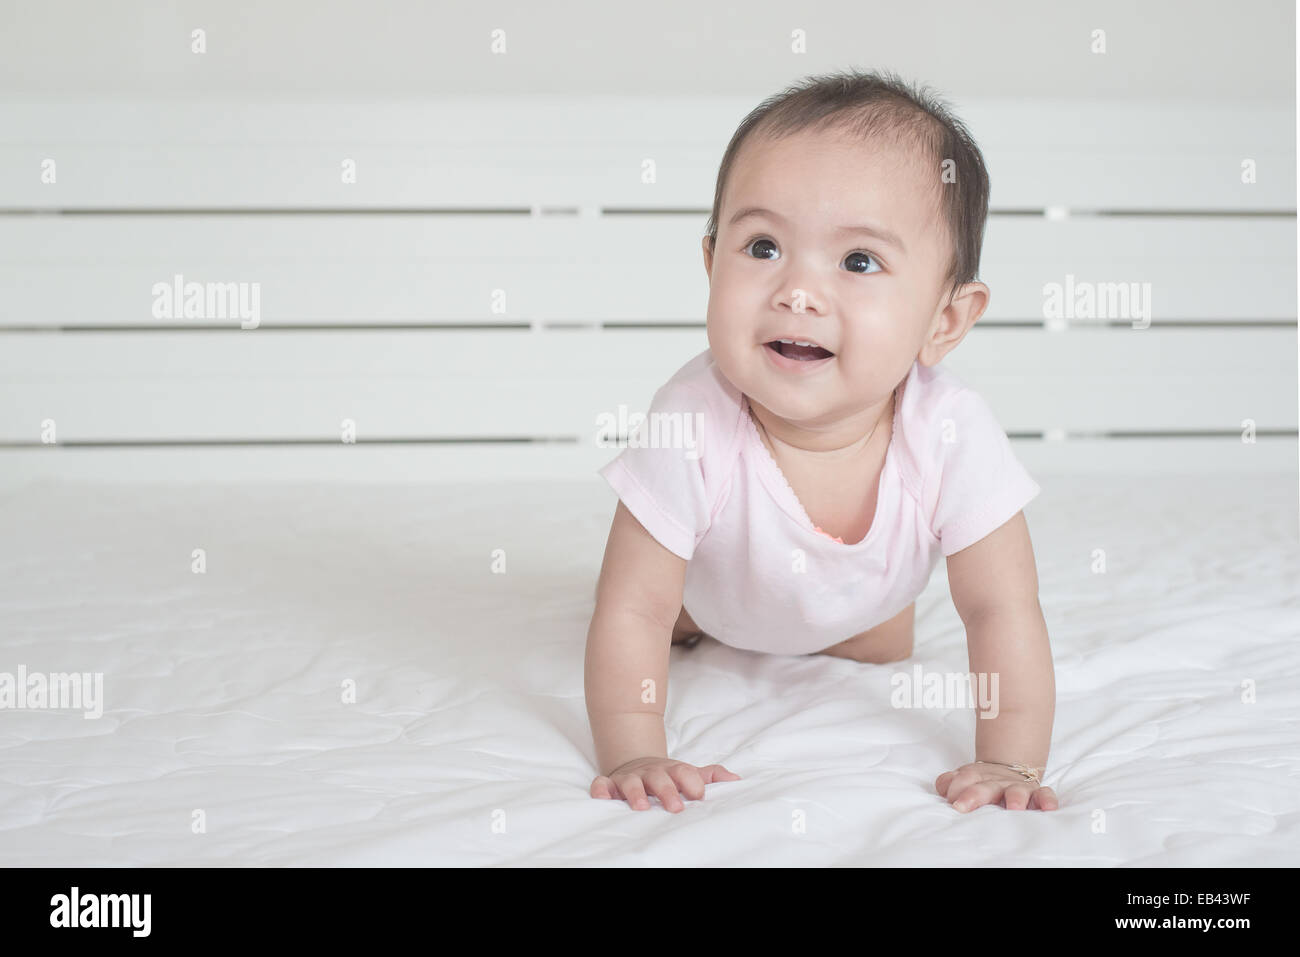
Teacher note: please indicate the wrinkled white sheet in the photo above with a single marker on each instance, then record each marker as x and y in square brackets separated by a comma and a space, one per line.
[468, 741]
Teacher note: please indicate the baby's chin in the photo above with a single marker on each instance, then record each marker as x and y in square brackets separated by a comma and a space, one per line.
[810, 408]
[811, 404]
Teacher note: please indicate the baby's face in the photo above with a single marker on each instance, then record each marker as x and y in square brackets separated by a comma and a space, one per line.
[868, 300]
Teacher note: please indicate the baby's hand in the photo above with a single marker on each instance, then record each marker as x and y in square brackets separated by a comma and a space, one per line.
[972, 785]
[663, 777]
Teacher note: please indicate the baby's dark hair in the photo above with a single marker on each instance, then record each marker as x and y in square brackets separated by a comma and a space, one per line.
[882, 105]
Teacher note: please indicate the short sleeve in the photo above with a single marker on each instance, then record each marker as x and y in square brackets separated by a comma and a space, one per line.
[979, 484]
[660, 475]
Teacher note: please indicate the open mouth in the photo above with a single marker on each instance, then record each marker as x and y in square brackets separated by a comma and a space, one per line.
[803, 351]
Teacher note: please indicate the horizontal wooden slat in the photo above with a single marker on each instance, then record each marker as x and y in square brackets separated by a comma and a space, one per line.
[410, 384]
[589, 152]
[269, 384]
[101, 270]
[1086, 381]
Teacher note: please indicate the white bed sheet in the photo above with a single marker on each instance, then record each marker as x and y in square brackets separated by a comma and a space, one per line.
[468, 743]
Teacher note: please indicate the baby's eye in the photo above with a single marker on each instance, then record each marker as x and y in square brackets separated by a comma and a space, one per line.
[851, 257]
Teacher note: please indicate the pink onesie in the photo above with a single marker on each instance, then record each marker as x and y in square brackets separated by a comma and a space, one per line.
[759, 575]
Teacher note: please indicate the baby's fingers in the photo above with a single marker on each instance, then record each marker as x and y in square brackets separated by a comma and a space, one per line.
[665, 789]
[716, 772]
[942, 781]
[1044, 799]
[975, 795]
[688, 779]
[630, 786]
[604, 787]
[1018, 796]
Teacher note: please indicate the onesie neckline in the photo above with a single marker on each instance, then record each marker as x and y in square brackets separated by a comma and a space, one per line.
[779, 486]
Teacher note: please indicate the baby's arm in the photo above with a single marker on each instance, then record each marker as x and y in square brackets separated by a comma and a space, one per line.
[638, 598]
[994, 586]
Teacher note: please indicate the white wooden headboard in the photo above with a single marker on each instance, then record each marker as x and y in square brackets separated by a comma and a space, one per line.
[472, 282]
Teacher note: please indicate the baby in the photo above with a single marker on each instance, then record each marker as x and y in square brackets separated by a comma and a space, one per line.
[834, 459]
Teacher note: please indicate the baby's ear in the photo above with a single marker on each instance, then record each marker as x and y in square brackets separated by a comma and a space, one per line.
[953, 321]
[708, 256]
[981, 294]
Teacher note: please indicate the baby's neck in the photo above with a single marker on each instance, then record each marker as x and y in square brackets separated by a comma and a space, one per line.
[840, 442]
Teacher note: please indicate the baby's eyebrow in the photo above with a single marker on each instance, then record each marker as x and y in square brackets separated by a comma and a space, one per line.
[876, 232]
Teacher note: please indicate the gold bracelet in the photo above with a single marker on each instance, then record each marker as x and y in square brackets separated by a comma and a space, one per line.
[1025, 771]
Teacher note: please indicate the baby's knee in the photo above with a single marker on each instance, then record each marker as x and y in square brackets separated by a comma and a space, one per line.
[869, 654]
[887, 642]
[685, 631]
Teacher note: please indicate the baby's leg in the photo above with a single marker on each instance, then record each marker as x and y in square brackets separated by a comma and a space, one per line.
[685, 631]
[889, 641]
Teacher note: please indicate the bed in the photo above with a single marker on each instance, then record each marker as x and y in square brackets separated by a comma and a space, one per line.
[228, 734]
